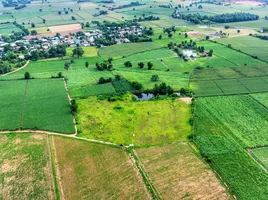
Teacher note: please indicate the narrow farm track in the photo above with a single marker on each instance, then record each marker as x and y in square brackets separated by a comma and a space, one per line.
[59, 134]
[28, 61]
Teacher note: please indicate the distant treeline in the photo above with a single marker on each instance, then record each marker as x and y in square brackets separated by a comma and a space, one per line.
[149, 18]
[262, 37]
[14, 3]
[224, 18]
[20, 7]
[132, 4]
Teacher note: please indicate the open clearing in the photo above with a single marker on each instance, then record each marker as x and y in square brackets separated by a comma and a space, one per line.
[178, 173]
[35, 104]
[65, 28]
[89, 170]
[25, 167]
[139, 123]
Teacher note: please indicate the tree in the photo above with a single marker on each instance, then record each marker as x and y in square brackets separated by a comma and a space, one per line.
[186, 35]
[86, 64]
[170, 35]
[171, 45]
[200, 7]
[35, 55]
[210, 52]
[160, 37]
[110, 60]
[33, 25]
[136, 85]
[33, 32]
[27, 75]
[73, 106]
[238, 31]
[67, 65]
[44, 21]
[128, 64]
[154, 78]
[141, 65]
[59, 12]
[78, 51]
[207, 37]
[150, 65]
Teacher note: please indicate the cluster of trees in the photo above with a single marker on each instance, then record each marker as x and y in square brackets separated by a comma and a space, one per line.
[262, 37]
[78, 52]
[68, 64]
[166, 6]
[22, 28]
[111, 32]
[102, 12]
[104, 66]
[223, 18]
[14, 3]
[9, 61]
[53, 52]
[132, 4]
[149, 18]
[18, 7]
[162, 89]
[104, 80]
[140, 64]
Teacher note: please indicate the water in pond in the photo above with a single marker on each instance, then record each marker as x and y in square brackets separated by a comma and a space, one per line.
[143, 96]
[189, 53]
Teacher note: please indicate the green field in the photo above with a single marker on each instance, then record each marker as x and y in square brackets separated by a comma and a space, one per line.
[88, 51]
[26, 171]
[138, 123]
[126, 49]
[262, 155]
[223, 127]
[35, 104]
[250, 45]
[89, 170]
[176, 171]
[262, 98]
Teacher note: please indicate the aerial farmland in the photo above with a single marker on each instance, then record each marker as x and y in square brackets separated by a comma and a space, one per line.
[134, 99]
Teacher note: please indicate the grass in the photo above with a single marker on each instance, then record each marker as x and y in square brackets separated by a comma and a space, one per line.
[96, 171]
[223, 127]
[176, 170]
[25, 167]
[47, 107]
[139, 123]
[250, 45]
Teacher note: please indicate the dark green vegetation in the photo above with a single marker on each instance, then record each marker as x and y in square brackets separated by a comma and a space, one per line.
[35, 104]
[223, 128]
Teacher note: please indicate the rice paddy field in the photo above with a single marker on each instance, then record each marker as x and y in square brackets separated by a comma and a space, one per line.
[36, 104]
[223, 127]
[177, 173]
[139, 123]
[262, 155]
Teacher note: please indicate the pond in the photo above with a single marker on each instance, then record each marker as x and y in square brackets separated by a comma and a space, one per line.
[189, 53]
[143, 96]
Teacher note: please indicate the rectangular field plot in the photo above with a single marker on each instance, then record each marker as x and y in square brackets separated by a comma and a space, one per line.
[177, 172]
[11, 98]
[261, 155]
[96, 172]
[26, 171]
[229, 86]
[35, 104]
[261, 98]
[117, 51]
[47, 107]
[223, 128]
[139, 123]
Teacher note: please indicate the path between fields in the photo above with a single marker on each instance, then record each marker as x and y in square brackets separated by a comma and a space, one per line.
[17, 69]
[59, 134]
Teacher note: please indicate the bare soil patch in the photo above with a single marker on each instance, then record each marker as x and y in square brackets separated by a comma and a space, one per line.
[65, 28]
[253, 3]
[187, 100]
[178, 173]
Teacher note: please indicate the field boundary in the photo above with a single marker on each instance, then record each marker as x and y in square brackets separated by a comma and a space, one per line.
[147, 181]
